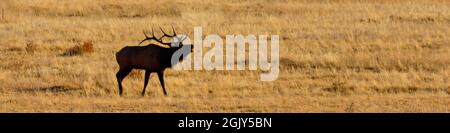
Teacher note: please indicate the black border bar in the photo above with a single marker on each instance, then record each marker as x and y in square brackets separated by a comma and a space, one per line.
[278, 121]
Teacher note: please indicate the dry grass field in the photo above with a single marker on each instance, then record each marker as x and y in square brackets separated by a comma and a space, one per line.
[335, 56]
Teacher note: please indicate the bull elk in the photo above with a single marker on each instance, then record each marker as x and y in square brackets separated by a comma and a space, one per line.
[151, 58]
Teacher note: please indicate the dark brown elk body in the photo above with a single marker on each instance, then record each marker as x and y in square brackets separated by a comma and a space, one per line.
[151, 58]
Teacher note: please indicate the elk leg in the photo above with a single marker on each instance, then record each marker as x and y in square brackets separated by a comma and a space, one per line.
[147, 75]
[161, 80]
[120, 75]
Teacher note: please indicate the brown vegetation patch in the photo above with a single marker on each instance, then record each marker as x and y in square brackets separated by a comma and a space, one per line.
[340, 87]
[14, 49]
[404, 89]
[31, 47]
[427, 19]
[50, 89]
[289, 63]
[86, 48]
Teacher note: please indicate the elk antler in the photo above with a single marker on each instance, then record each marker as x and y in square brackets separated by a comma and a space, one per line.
[149, 38]
[160, 39]
[167, 35]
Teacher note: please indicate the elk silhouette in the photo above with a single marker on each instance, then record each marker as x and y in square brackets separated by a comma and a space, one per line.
[151, 58]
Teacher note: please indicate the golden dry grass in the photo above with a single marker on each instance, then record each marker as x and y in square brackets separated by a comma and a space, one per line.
[336, 56]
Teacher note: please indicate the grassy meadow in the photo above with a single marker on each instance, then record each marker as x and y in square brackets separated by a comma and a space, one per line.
[335, 56]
